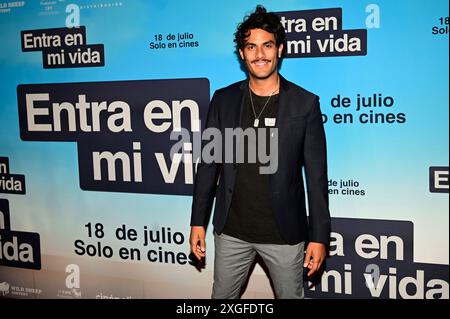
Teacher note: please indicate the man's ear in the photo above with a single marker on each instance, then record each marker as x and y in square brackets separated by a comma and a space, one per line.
[241, 53]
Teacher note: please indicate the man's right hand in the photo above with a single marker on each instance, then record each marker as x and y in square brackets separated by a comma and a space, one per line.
[197, 241]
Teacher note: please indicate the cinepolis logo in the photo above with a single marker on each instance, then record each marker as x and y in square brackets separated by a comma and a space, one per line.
[110, 296]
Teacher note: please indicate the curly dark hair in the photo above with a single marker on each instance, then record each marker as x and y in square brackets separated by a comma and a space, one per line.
[260, 19]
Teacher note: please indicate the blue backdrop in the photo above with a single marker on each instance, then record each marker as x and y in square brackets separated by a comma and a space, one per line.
[383, 82]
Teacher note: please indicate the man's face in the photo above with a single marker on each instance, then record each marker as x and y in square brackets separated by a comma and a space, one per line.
[261, 54]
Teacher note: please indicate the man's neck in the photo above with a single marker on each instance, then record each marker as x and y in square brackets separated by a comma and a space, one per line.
[265, 87]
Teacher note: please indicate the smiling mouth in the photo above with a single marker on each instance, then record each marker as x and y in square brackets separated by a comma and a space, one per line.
[261, 62]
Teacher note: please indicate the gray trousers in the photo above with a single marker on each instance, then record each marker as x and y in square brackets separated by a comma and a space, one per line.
[233, 258]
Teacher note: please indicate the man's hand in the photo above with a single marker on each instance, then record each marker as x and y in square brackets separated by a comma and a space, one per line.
[197, 241]
[315, 255]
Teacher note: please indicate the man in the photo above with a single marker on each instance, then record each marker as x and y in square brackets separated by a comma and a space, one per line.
[264, 213]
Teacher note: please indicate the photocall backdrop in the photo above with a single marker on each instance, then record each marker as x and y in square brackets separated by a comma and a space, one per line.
[93, 206]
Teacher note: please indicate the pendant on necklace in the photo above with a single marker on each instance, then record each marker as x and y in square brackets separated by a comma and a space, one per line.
[255, 124]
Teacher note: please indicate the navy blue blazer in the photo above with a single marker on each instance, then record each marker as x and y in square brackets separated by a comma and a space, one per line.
[301, 144]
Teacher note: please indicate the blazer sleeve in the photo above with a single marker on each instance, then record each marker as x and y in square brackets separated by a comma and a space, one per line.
[315, 159]
[205, 183]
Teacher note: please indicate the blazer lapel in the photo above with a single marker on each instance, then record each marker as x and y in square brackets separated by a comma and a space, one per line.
[238, 113]
[282, 112]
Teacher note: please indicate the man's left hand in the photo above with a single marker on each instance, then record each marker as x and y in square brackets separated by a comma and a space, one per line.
[315, 255]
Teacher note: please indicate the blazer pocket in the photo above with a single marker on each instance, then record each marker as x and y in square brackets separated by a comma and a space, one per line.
[296, 117]
[297, 120]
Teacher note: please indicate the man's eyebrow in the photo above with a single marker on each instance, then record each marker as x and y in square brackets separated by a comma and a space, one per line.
[267, 42]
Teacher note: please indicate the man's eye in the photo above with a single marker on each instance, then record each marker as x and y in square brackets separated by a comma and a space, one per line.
[268, 45]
